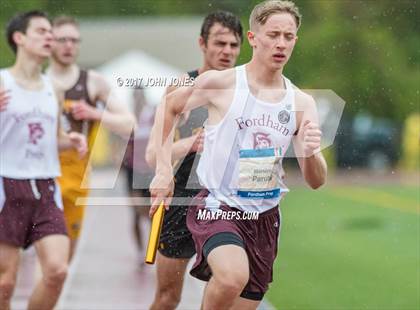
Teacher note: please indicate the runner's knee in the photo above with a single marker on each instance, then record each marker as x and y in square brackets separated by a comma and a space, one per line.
[169, 296]
[7, 285]
[55, 274]
[231, 281]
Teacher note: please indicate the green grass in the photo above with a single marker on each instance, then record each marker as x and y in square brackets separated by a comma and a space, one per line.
[349, 248]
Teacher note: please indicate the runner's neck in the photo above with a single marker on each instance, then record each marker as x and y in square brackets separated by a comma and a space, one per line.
[26, 69]
[64, 76]
[57, 69]
[204, 68]
[263, 76]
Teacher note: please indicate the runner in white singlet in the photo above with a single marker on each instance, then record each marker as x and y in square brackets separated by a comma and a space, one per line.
[254, 114]
[30, 201]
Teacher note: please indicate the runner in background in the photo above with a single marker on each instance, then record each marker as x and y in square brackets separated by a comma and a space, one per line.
[30, 202]
[82, 91]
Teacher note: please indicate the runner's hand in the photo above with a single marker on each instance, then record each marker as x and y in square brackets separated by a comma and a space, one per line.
[83, 111]
[78, 141]
[311, 138]
[198, 144]
[4, 98]
[161, 188]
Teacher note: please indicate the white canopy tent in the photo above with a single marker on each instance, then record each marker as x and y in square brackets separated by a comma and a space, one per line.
[131, 66]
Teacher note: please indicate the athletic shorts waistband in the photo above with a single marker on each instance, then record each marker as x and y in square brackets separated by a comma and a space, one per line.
[263, 214]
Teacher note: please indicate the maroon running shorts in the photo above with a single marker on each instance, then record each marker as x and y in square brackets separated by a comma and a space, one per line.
[259, 238]
[29, 211]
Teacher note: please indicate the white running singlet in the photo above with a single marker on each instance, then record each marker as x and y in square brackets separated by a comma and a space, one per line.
[28, 131]
[241, 163]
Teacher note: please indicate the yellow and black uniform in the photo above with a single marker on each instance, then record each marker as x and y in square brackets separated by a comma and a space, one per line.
[73, 168]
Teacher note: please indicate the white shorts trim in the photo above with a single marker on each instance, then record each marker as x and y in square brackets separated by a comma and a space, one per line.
[57, 195]
[2, 194]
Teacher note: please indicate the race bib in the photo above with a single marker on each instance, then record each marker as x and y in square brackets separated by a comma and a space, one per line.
[258, 173]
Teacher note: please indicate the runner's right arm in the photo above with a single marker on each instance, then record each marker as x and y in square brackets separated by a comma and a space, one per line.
[116, 117]
[180, 148]
[172, 105]
[69, 140]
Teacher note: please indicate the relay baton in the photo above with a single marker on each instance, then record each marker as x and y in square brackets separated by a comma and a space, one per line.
[157, 221]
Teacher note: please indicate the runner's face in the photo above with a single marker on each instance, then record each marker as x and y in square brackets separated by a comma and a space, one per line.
[222, 48]
[38, 38]
[66, 44]
[274, 41]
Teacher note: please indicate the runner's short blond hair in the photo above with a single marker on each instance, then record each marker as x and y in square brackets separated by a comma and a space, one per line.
[264, 10]
[65, 20]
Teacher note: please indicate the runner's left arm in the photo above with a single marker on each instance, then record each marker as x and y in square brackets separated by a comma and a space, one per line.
[4, 96]
[307, 141]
